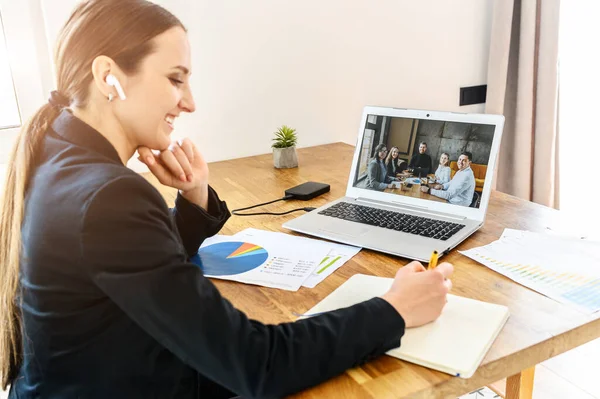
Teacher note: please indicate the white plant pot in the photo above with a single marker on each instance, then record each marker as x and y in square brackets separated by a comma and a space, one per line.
[285, 158]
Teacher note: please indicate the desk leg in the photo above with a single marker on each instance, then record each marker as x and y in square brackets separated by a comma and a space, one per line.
[520, 386]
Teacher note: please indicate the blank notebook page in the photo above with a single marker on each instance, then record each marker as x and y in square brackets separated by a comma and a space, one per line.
[455, 343]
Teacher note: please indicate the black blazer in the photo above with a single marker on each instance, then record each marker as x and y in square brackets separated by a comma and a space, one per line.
[390, 168]
[112, 308]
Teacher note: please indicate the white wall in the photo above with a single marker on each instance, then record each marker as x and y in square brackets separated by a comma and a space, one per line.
[579, 103]
[314, 64]
[23, 29]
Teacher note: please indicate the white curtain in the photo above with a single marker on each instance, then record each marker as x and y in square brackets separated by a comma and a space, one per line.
[523, 86]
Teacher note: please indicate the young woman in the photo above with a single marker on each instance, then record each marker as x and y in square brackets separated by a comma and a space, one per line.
[97, 296]
[377, 172]
[392, 162]
[442, 174]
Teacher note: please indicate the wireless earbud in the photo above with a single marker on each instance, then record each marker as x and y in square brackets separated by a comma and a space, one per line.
[112, 80]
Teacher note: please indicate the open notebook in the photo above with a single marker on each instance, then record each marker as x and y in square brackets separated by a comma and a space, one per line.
[455, 343]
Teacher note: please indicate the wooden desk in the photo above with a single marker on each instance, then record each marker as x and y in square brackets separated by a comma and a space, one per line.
[538, 328]
[413, 191]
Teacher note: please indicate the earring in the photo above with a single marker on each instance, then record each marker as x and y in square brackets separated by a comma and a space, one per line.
[110, 97]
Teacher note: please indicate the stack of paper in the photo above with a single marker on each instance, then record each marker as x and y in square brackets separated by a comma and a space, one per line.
[564, 269]
[271, 259]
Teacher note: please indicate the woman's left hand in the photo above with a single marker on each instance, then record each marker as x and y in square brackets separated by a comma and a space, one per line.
[181, 166]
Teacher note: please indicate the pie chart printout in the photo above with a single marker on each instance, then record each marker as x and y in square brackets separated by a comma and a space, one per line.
[229, 258]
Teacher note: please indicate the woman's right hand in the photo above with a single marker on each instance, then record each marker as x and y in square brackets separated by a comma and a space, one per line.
[419, 295]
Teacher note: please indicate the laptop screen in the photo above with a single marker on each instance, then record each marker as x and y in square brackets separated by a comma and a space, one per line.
[425, 159]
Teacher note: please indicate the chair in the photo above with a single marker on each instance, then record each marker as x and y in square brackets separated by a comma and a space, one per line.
[475, 201]
[402, 165]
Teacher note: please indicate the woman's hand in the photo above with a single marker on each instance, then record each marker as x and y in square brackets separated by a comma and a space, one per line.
[419, 295]
[181, 166]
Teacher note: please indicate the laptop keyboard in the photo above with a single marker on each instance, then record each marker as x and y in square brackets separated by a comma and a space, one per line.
[411, 224]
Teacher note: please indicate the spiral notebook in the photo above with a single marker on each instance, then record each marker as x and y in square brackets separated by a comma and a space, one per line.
[455, 343]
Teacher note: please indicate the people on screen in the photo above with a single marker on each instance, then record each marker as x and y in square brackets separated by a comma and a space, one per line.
[377, 176]
[421, 162]
[392, 163]
[459, 191]
[442, 174]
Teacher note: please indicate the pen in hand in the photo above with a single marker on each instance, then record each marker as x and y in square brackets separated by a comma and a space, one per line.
[433, 260]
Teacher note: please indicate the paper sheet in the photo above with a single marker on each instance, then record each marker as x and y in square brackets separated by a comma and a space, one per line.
[335, 257]
[258, 260]
[564, 269]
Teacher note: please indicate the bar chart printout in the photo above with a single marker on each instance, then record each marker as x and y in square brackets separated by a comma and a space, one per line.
[564, 269]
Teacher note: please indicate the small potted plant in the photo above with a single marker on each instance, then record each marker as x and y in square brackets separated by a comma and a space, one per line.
[284, 148]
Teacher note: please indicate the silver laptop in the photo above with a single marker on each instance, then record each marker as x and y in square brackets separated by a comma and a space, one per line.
[415, 202]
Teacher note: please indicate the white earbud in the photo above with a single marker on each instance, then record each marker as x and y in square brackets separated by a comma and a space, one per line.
[112, 80]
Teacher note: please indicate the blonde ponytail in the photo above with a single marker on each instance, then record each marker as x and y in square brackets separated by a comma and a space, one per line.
[11, 217]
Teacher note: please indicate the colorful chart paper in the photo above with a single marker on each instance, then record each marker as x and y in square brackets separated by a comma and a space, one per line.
[229, 258]
[566, 270]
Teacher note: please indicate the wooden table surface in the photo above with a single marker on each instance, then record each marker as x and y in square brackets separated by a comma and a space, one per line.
[538, 328]
[413, 191]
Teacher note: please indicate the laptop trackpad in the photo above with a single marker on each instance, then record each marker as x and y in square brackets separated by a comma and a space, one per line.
[348, 229]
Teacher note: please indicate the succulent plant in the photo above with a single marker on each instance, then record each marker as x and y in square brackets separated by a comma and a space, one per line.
[285, 137]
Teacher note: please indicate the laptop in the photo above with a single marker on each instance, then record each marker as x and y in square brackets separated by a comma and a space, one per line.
[416, 205]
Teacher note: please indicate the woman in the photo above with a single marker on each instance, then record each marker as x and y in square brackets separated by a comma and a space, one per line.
[442, 174]
[392, 163]
[97, 296]
[377, 175]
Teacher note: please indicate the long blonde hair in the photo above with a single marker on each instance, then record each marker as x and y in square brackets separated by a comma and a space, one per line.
[119, 29]
[389, 156]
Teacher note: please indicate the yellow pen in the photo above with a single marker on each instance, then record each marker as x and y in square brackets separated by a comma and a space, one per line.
[433, 260]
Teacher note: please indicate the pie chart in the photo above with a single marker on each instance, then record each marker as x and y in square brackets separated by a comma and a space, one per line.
[228, 258]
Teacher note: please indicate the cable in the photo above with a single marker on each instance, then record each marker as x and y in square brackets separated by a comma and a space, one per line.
[287, 197]
[307, 209]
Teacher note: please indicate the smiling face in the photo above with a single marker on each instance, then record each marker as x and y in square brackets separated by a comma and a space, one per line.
[159, 92]
[444, 160]
[382, 153]
[463, 162]
[394, 153]
[422, 148]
